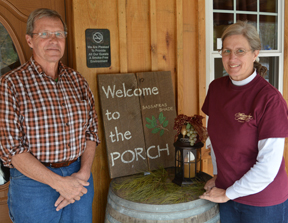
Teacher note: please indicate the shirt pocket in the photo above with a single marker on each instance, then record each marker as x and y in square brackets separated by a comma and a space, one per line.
[81, 113]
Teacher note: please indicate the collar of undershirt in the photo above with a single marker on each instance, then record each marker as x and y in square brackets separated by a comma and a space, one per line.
[245, 81]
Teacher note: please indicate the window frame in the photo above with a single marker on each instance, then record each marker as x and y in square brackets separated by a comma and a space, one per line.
[211, 54]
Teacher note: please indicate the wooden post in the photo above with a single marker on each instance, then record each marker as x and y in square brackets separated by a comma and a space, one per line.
[179, 58]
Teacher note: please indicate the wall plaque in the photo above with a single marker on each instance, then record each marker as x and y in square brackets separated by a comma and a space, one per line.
[98, 53]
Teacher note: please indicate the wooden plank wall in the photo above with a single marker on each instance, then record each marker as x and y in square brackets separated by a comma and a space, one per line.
[146, 35]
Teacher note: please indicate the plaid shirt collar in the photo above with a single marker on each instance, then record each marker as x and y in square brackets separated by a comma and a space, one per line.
[61, 67]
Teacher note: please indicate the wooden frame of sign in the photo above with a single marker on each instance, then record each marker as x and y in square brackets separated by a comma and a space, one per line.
[138, 112]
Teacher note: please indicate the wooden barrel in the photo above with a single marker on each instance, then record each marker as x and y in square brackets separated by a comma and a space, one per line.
[4, 212]
[124, 211]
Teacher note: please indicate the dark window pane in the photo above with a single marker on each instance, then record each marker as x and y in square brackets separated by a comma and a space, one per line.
[268, 32]
[268, 5]
[221, 21]
[246, 5]
[252, 19]
[219, 70]
[223, 4]
[8, 55]
[272, 64]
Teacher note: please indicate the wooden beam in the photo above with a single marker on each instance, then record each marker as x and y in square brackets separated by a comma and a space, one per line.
[201, 71]
[153, 34]
[179, 57]
[122, 36]
[70, 40]
[201, 49]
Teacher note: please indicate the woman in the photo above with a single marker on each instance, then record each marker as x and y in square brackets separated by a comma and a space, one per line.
[247, 127]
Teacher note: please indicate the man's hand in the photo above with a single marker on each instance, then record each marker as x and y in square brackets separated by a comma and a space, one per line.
[71, 189]
[82, 175]
[62, 202]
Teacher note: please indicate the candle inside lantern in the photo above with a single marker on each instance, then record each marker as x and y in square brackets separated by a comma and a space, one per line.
[189, 164]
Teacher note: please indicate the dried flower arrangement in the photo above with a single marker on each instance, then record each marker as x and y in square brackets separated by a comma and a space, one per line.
[190, 126]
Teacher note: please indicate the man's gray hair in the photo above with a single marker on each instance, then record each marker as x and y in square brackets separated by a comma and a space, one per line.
[41, 13]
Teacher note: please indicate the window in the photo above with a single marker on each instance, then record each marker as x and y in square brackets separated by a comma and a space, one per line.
[266, 15]
[8, 56]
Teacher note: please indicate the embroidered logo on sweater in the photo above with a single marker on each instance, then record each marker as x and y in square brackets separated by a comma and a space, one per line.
[241, 117]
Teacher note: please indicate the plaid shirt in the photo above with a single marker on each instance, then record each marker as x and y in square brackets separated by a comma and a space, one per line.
[51, 120]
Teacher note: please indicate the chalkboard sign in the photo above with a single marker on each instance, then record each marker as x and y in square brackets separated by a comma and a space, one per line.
[138, 112]
[98, 48]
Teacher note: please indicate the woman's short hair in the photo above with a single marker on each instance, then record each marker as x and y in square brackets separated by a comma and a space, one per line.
[250, 33]
[41, 13]
[247, 30]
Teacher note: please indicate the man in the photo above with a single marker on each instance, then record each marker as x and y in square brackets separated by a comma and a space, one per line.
[48, 130]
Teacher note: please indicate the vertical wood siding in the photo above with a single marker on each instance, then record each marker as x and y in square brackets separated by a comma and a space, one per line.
[146, 35]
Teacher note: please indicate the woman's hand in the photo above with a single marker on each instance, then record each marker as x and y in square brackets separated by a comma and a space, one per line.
[213, 193]
[216, 195]
[210, 184]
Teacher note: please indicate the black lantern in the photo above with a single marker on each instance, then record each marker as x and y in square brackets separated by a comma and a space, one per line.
[187, 160]
[191, 134]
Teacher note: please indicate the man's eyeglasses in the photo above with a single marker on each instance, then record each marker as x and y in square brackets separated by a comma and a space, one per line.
[47, 34]
[238, 52]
